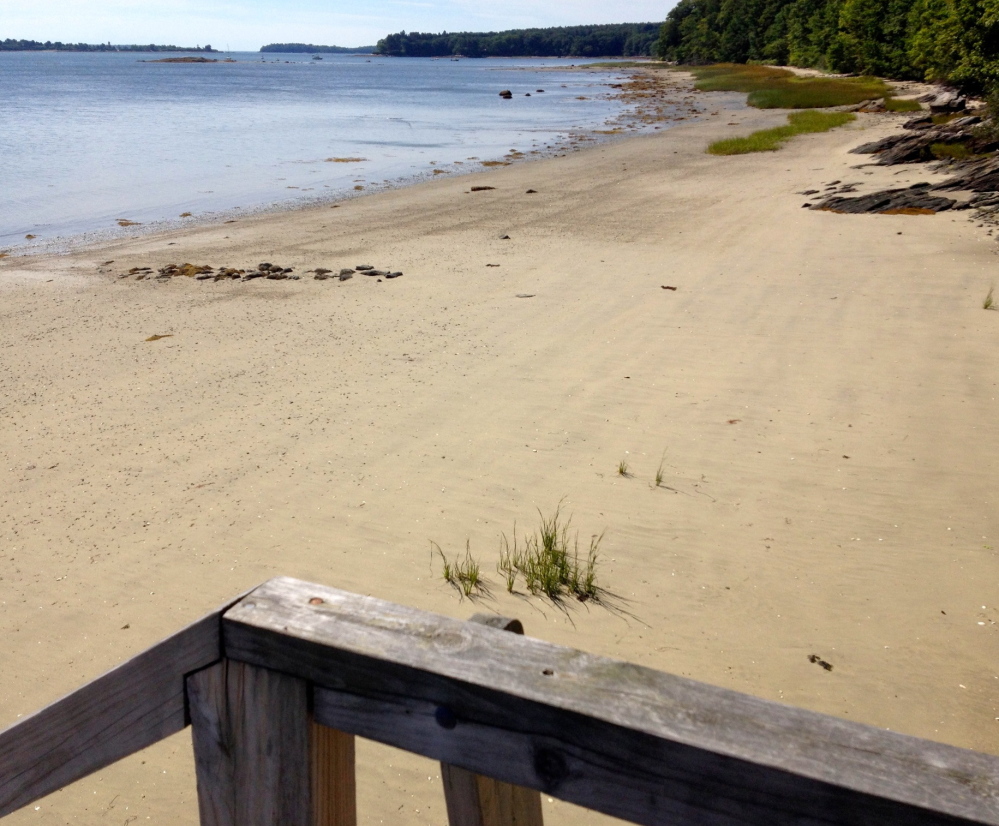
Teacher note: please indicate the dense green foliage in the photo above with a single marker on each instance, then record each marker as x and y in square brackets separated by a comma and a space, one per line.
[769, 140]
[297, 48]
[10, 45]
[618, 40]
[955, 40]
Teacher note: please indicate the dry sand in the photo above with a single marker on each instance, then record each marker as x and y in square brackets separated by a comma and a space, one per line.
[823, 388]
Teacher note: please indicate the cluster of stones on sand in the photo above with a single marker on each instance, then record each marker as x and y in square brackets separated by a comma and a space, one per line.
[272, 272]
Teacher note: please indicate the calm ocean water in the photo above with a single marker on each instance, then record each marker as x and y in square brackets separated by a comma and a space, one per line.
[88, 139]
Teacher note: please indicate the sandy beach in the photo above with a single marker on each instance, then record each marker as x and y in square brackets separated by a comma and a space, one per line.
[821, 391]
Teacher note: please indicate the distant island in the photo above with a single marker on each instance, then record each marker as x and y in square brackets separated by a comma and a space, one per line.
[612, 40]
[10, 45]
[294, 48]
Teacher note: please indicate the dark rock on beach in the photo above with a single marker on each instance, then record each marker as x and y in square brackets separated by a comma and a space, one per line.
[914, 200]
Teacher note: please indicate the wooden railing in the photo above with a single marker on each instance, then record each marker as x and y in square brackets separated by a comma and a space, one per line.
[277, 685]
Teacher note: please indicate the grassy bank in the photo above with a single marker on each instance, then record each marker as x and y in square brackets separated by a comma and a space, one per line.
[773, 88]
[769, 140]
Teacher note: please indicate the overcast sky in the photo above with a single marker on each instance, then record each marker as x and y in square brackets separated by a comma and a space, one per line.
[249, 24]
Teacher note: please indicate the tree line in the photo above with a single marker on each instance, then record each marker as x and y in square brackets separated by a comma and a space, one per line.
[11, 45]
[939, 40]
[615, 40]
[300, 48]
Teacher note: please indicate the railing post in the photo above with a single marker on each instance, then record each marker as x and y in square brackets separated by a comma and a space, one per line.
[259, 757]
[474, 800]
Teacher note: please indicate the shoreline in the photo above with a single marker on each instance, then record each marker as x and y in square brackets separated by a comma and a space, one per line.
[281, 203]
[819, 390]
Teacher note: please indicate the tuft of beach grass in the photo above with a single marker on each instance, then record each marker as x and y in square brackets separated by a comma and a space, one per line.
[464, 574]
[660, 474]
[770, 140]
[548, 561]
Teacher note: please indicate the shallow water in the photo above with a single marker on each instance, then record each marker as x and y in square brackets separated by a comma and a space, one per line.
[88, 139]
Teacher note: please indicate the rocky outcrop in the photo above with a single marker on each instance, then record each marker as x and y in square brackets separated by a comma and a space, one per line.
[978, 175]
[913, 200]
[915, 145]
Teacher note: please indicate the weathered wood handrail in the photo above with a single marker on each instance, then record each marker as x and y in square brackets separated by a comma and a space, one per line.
[291, 659]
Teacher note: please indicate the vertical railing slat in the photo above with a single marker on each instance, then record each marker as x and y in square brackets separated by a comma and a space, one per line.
[474, 800]
[334, 788]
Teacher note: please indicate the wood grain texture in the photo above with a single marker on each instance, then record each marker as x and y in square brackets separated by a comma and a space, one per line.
[127, 709]
[251, 746]
[474, 800]
[334, 780]
[629, 741]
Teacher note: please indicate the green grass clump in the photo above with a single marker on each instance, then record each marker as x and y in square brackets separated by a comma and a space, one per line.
[463, 574]
[660, 474]
[549, 561]
[772, 88]
[896, 105]
[950, 151]
[623, 468]
[769, 140]
[989, 302]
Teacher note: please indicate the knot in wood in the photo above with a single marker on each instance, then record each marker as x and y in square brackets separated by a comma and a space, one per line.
[550, 767]
[445, 717]
[451, 641]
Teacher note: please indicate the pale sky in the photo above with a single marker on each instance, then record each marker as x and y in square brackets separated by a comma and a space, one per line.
[249, 24]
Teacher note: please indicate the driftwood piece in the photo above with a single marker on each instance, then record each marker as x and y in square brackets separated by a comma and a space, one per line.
[615, 737]
[127, 709]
